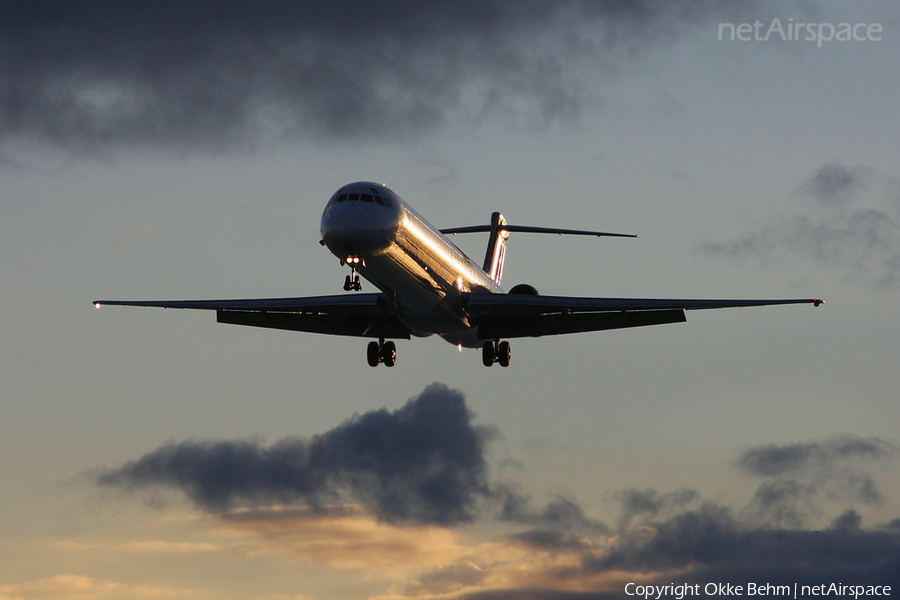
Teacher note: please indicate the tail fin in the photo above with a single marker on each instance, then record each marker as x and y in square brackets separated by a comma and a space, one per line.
[496, 249]
[499, 230]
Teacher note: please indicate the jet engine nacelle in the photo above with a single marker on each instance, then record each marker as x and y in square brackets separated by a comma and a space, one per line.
[524, 289]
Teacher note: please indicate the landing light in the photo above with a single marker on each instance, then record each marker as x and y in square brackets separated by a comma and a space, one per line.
[97, 305]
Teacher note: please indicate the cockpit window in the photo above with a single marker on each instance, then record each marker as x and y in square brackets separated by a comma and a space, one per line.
[341, 198]
[367, 198]
[379, 200]
[375, 191]
[353, 197]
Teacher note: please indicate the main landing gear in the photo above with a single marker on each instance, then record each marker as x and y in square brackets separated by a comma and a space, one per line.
[382, 352]
[496, 351]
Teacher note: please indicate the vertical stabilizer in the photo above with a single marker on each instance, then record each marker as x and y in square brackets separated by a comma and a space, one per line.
[496, 249]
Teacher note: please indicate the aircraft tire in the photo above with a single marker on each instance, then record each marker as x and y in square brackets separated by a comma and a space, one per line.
[389, 354]
[487, 354]
[505, 353]
[373, 354]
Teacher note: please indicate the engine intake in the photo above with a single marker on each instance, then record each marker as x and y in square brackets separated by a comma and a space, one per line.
[524, 289]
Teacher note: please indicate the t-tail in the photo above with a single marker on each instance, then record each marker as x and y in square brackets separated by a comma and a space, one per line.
[500, 230]
[496, 248]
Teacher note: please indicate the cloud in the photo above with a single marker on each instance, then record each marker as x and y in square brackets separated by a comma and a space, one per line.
[214, 76]
[650, 503]
[347, 537]
[679, 537]
[150, 546]
[798, 458]
[406, 495]
[799, 475]
[421, 463]
[833, 182]
[79, 587]
[845, 218]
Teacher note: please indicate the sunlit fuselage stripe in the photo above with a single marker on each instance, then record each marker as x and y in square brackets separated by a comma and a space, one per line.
[420, 270]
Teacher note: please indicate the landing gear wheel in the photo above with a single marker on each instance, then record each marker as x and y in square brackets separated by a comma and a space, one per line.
[389, 354]
[504, 353]
[381, 352]
[373, 354]
[488, 354]
[496, 352]
[351, 282]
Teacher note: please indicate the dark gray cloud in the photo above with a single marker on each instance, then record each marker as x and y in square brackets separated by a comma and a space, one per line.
[708, 544]
[800, 477]
[215, 75]
[797, 458]
[678, 537]
[833, 182]
[422, 463]
[650, 503]
[846, 218]
[716, 546]
[561, 524]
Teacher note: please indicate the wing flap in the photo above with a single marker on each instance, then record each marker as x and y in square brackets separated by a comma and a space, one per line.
[373, 326]
[560, 323]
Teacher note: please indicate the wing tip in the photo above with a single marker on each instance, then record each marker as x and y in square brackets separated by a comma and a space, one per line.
[816, 302]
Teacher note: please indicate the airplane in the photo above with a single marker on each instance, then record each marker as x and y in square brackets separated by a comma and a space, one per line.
[427, 286]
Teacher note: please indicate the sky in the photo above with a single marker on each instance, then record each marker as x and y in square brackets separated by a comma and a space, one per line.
[178, 150]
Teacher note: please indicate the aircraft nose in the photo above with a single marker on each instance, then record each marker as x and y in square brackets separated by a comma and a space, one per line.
[354, 227]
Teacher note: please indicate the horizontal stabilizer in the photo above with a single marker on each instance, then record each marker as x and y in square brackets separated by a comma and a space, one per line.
[530, 229]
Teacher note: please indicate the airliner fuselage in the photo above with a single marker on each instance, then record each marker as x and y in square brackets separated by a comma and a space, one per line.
[421, 271]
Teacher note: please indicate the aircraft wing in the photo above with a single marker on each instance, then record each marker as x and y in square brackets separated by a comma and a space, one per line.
[520, 315]
[365, 315]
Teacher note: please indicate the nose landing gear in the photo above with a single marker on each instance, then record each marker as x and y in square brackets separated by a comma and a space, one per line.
[381, 352]
[352, 283]
[496, 351]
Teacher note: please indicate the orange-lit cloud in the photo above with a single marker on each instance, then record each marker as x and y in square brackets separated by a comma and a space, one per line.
[159, 546]
[346, 538]
[79, 587]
